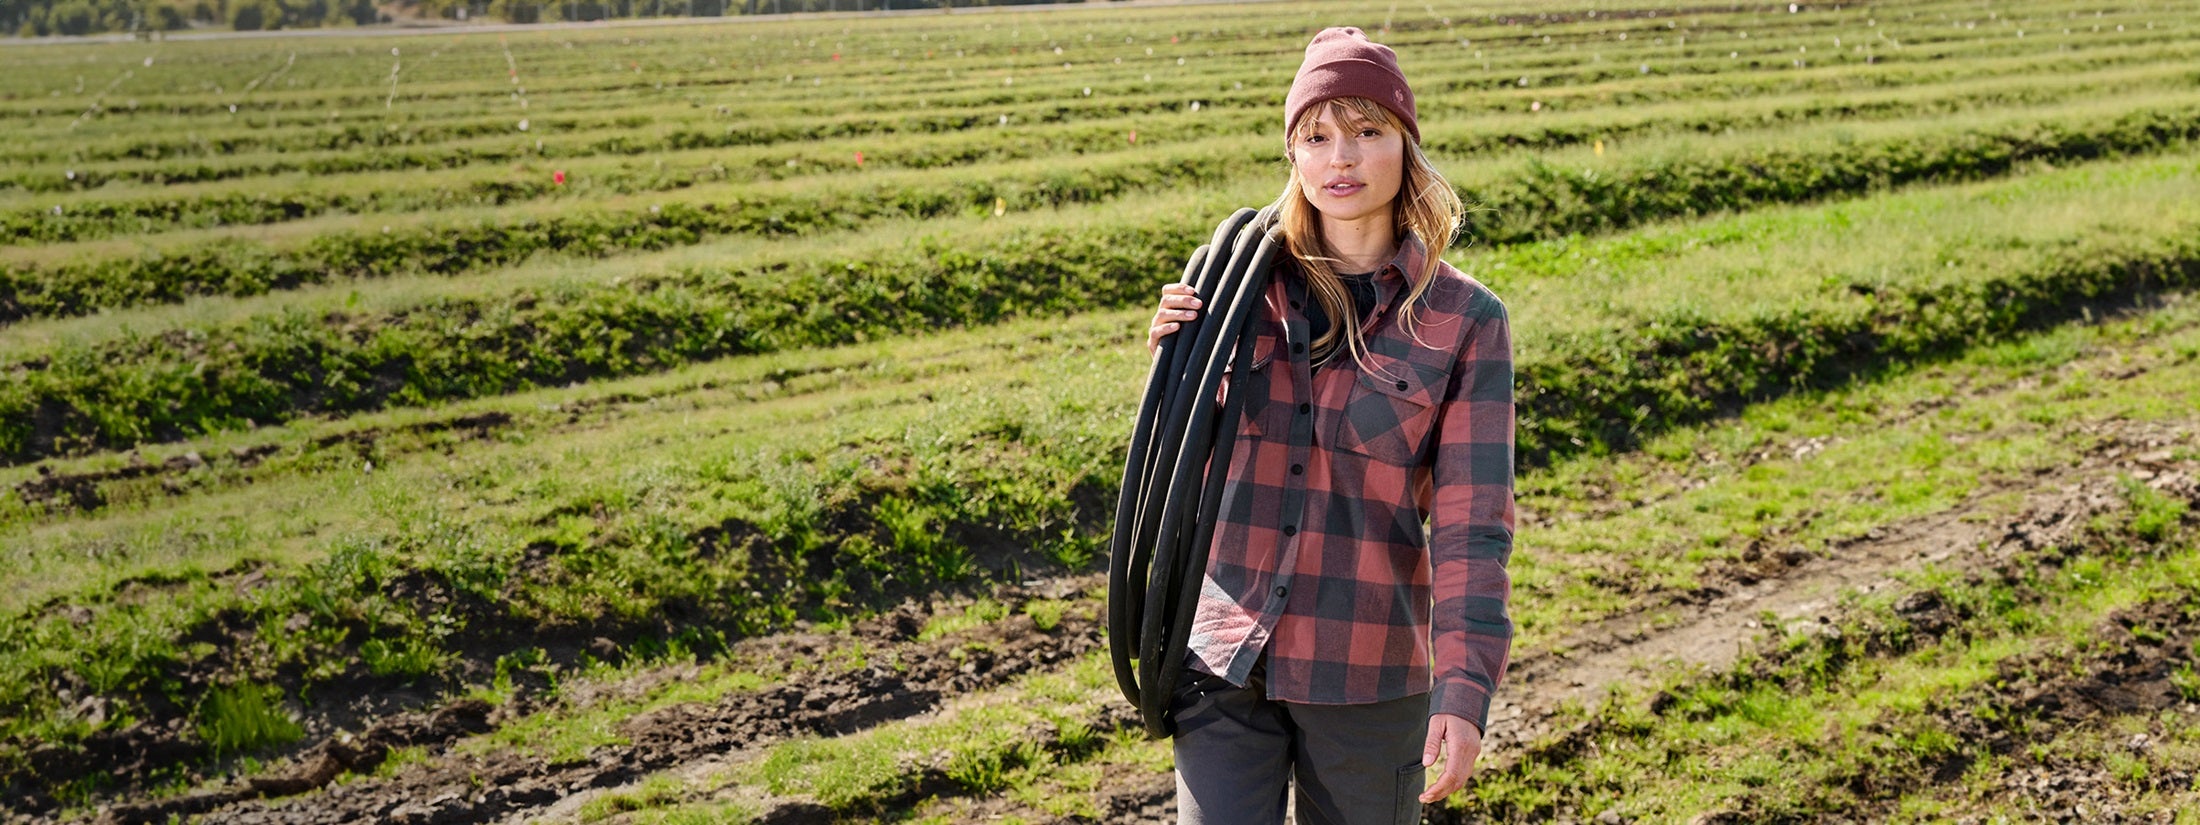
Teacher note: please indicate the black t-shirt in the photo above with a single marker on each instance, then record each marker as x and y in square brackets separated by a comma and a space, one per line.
[1362, 288]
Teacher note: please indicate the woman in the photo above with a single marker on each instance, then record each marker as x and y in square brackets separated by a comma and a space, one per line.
[1324, 602]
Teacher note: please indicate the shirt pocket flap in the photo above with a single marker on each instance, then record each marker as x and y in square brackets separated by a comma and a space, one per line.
[1264, 350]
[1398, 379]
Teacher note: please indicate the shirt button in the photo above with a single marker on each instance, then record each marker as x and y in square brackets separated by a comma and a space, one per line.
[1297, 347]
[1290, 530]
[1280, 591]
[1295, 305]
[1297, 469]
[1401, 385]
[1305, 408]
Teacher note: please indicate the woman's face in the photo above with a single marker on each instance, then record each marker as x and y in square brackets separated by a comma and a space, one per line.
[1349, 167]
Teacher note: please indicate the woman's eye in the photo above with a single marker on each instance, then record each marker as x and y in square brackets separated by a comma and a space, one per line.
[1370, 132]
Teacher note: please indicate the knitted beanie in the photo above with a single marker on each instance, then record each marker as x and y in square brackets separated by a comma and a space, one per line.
[1342, 62]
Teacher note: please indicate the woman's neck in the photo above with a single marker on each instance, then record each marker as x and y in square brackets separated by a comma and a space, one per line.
[1361, 245]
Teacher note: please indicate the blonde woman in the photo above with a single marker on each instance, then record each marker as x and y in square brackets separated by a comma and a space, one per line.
[1352, 622]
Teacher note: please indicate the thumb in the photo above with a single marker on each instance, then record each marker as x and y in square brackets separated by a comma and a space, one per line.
[1435, 738]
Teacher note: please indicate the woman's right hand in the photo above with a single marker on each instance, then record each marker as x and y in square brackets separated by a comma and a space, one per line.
[1178, 304]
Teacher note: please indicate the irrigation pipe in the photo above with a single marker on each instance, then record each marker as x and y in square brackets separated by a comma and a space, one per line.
[1178, 459]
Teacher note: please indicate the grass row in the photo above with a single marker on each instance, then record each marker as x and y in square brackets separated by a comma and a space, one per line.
[1521, 199]
[271, 368]
[1465, 82]
[1573, 117]
[575, 125]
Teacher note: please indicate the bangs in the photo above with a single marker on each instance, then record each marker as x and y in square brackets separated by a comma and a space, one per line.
[1345, 110]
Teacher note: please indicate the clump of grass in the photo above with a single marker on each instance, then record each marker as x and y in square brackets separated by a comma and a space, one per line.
[1046, 614]
[238, 719]
[654, 792]
[979, 614]
[406, 658]
[2153, 515]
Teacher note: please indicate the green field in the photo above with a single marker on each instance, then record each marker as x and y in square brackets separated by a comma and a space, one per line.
[722, 421]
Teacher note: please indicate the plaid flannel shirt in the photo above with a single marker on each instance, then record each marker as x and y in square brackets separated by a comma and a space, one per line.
[1320, 556]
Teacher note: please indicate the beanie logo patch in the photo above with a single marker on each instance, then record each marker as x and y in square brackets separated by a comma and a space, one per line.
[1398, 95]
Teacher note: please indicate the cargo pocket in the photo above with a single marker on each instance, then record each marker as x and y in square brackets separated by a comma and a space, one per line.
[1389, 413]
[1193, 694]
[1412, 780]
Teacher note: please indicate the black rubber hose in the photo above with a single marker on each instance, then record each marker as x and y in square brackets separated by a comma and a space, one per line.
[1189, 426]
[1126, 603]
[1173, 475]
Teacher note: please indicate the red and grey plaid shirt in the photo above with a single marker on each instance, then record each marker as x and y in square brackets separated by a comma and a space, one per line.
[1321, 557]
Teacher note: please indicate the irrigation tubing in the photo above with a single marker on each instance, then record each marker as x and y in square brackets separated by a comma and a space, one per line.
[1177, 462]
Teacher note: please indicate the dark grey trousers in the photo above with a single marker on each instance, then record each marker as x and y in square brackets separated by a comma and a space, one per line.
[1237, 752]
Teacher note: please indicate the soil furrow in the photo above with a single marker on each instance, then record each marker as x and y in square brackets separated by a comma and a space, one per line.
[455, 787]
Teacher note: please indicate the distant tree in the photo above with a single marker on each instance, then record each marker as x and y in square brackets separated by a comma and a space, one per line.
[517, 11]
[254, 15]
[169, 15]
[72, 17]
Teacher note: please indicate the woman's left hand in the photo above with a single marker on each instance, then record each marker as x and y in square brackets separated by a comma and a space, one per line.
[1460, 743]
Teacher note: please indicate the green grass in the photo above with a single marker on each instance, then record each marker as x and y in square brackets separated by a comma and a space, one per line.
[1507, 85]
[926, 425]
[981, 747]
[1726, 745]
[242, 719]
[1853, 720]
[1738, 268]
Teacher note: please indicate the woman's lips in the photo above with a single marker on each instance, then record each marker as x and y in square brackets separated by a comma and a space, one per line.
[1343, 189]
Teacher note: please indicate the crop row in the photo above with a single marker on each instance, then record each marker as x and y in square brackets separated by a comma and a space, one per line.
[687, 125]
[84, 218]
[340, 76]
[273, 368]
[1040, 94]
[1524, 202]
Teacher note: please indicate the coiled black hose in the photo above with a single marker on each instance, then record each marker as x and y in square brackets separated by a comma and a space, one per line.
[1178, 459]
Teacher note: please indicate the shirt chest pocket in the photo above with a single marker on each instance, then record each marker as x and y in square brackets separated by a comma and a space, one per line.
[1389, 412]
[1254, 384]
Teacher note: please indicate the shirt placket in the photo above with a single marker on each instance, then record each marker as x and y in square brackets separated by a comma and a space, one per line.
[1300, 439]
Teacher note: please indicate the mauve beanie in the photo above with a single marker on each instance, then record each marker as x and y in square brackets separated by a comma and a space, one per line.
[1342, 62]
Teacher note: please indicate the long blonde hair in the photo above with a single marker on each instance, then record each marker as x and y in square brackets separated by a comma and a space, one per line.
[1426, 207]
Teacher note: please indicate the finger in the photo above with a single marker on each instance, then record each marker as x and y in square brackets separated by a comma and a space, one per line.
[1181, 302]
[1452, 779]
[1435, 738]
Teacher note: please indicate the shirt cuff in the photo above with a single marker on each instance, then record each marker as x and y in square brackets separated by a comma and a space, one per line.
[1464, 699]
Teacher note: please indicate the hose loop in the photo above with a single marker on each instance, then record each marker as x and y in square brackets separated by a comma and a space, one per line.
[1178, 460]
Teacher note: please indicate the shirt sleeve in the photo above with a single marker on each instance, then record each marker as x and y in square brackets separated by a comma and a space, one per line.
[1471, 521]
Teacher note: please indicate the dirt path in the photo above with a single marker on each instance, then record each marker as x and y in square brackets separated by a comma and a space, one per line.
[903, 678]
